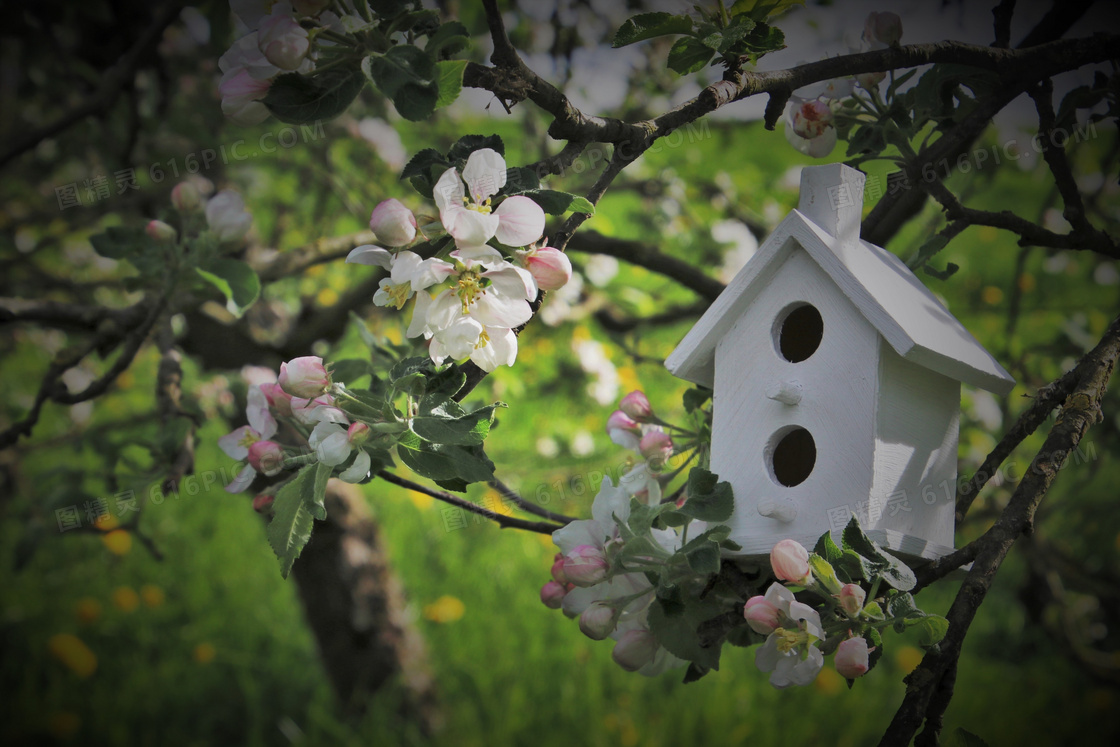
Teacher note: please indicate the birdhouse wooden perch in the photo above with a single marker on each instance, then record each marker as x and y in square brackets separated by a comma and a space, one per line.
[837, 379]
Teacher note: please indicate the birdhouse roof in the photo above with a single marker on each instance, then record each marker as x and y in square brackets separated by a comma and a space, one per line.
[882, 288]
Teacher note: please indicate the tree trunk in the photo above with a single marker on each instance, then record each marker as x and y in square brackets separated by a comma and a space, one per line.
[356, 608]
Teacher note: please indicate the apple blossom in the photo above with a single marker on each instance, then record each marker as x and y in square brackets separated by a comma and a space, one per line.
[317, 410]
[304, 377]
[809, 128]
[882, 29]
[636, 405]
[266, 457]
[227, 217]
[789, 653]
[333, 445]
[262, 503]
[790, 561]
[160, 231]
[851, 599]
[635, 649]
[185, 197]
[393, 223]
[283, 41]
[236, 444]
[467, 214]
[585, 566]
[598, 621]
[358, 433]
[870, 81]
[550, 267]
[278, 399]
[851, 658]
[241, 95]
[656, 446]
[761, 615]
[552, 594]
[558, 569]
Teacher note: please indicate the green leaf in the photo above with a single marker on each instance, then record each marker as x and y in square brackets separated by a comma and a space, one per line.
[962, 738]
[444, 461]
[875, 560]
[931, 629]
[554, 202]
[448, 39]
[420, 165]
[704, 559]
[762, 39]
[294, 509]
[468, 144]
[695, 398]
[678, 633]
[825, 573]
[299, 99]
[236, 280]
[649, 25]
[827, 549]
[902, 606]
[760, 10]
[722, 40]
[409, 366]
[350, 370]
[121, 242]
[688, 55]
[407, 76]
[442, 426]
[445, 384]
[694, 672]
[708, 499]
[449, 76]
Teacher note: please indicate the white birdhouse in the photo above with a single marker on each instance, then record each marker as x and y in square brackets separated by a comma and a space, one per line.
[836, 377]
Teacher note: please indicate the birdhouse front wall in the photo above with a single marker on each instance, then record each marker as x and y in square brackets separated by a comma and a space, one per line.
[914, 488]
[795, 405]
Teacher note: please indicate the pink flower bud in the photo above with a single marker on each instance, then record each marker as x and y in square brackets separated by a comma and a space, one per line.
[657, 446]
[790, 561]
[160, 231]
[357, 434]
[852, 598]
[636, 405]
[283, 41]
[304, 377]
[558, 570]
[811, 119]
[851, 658]
[585, 566]
[620, 421]
[635, 649]
[550, 267]
[552, 594]
[262, 503]
[884, 28]
[185, 197]
[278, 399]
[597, 621]
[393, 223]
[761, 615]
[266, 457]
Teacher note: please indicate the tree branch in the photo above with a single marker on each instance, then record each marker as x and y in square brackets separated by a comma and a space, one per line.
[637, 253]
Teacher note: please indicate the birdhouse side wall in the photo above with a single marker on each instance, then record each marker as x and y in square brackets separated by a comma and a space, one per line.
[917, 426]
[835, 388]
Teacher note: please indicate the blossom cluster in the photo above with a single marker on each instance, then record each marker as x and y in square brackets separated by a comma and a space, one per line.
[482, 293]
[300, 396]
[811, 113]
[282, 37]
[636, 427]
[226, 216]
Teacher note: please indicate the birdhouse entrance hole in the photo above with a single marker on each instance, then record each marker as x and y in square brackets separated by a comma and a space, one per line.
[798, 333]
[794, 456]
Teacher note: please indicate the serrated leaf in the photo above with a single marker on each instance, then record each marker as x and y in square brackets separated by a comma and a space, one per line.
[350, 370]
[406, 75]
[293, 512]
[468, 144]
[704, 559]
[650, 25]
[236, 280]
[825, 573]
[827, 548]
[555, 202]
[931, 629]
[449, 76]
[760, 10]
[688, 55]
[419, 165]
[444, 461]
[442, 427]
[448, 39]
[695, 398]
[962, 738]
[678, 633]
[409, 366]
[708, 498]
[300, 99]
[694, 672]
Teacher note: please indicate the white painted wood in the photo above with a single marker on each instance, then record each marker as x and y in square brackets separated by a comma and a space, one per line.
[832, 197]
[786, 392]
[914, 489]
[880, 395]
[884, 290]
[837, 407]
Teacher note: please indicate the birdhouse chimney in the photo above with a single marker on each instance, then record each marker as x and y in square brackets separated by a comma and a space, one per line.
[832, 197]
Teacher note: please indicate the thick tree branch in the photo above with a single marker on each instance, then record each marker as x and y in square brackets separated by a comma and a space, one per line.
[1081, 409]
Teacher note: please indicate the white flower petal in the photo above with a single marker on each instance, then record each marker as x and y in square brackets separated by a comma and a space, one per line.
[495, 310]
[334, 449]
[231, 442]
[357, 471]
[513, 282]
[368, 254]
[485, 174]
[469, 226]
[767, 656]
[521, 221]
[608, 503]
[260, 419]
[448, 192]
[573, 535]
[419, 324]
[444, 311]
[242, 481]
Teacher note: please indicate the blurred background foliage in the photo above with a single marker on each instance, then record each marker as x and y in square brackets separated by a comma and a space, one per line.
[179, 630]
